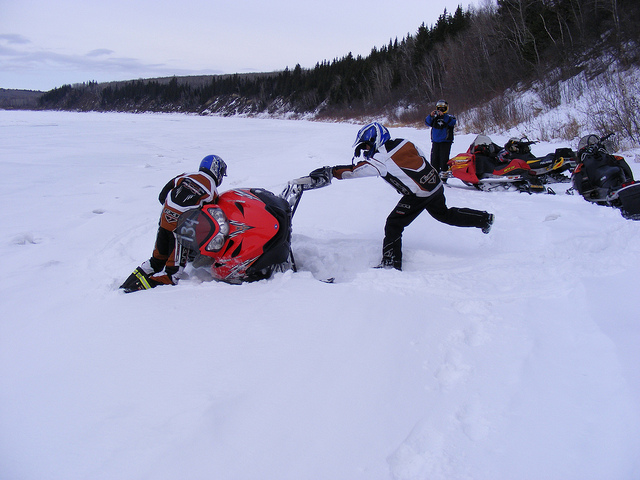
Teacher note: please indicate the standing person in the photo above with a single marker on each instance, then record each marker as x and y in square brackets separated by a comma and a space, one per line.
[181, 193]
[404, 166]
[441, 124]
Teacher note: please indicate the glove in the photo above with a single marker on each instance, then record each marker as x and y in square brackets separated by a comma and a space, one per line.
[166, 278]
[321, 176]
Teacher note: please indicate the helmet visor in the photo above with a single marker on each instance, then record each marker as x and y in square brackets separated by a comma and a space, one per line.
[364, 148]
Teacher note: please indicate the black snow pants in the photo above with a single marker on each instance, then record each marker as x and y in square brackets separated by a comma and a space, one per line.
[440, 152]
[408, 209]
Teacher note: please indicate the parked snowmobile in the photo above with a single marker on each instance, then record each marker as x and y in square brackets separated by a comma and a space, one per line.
[551, 167]
[246, 235]
[604, 178]
[518, 168]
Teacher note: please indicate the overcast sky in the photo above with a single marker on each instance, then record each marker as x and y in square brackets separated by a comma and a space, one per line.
[45, 44]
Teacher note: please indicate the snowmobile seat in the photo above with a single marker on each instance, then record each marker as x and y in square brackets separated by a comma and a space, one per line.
[485, 164]
[564, 152]
[609, 177]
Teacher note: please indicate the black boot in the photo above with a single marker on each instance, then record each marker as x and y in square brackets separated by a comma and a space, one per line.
[391, 259]
[138, 280]
[487, 227]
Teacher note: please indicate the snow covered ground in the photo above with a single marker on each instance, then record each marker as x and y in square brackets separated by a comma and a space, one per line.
[512, 355]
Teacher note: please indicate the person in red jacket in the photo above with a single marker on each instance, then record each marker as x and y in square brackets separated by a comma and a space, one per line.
[181, 193]
[405, 167]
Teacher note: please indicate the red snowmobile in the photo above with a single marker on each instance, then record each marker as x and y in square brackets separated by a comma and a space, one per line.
[604, 178]
[245, 235]
[487, 166]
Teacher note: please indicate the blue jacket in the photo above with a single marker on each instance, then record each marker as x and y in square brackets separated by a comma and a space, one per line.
[441, 127]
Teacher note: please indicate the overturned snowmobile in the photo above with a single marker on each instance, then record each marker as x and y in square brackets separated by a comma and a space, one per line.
[604, 178]
[484, 167]
[244, 236]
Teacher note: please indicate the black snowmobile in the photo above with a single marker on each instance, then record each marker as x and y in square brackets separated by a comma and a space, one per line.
[603, 178]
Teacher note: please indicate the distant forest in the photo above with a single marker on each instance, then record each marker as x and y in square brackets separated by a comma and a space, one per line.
[468, 57]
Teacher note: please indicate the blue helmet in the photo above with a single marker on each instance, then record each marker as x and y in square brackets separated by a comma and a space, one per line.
[214, 166]
[373, 136]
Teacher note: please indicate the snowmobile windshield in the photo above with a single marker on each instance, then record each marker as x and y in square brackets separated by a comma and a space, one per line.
[206, 227]
[587, 141]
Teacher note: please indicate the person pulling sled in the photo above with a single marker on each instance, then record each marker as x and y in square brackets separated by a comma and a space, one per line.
[403, 165]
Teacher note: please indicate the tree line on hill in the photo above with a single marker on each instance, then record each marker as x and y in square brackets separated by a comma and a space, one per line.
[468, 57]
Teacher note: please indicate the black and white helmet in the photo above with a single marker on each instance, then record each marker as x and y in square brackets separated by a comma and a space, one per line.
[370, 138]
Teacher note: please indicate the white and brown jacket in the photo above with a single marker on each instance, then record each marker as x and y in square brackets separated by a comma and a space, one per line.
[184, 192]
[400, 163]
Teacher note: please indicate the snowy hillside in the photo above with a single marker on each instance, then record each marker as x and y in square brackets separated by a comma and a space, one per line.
[512, 355]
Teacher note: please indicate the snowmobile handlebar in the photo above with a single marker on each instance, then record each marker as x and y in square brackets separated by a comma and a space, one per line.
[607, 137]
[318, 178]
